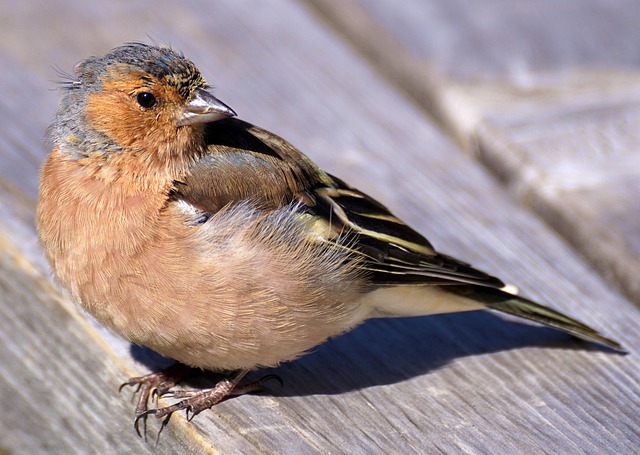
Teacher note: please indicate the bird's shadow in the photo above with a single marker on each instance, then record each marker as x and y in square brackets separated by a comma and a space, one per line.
[388, 351]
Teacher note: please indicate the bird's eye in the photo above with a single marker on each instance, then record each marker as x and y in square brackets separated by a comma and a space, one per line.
[146, 100]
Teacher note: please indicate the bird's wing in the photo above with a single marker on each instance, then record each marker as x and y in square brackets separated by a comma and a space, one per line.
[243, 162]
[395, 253]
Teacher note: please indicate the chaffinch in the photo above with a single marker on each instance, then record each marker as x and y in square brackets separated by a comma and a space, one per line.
[219, 244]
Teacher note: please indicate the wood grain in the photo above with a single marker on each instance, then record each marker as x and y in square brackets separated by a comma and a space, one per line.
[469, 383]
[505, 77]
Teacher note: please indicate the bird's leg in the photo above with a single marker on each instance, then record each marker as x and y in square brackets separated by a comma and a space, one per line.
[157, 384]
[239, 389]
[198, 401]
[193, 401]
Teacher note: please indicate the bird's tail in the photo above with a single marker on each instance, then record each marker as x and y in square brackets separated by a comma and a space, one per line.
[500, 300]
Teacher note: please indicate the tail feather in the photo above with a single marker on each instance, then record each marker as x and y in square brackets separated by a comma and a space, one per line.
[496, 299]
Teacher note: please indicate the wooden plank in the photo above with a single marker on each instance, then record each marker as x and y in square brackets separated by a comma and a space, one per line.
[456, 383]
[580, 169]
[503, 77]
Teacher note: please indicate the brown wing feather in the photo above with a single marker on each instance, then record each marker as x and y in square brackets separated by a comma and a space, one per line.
[246, 163]
[243, 162]
[397, 255]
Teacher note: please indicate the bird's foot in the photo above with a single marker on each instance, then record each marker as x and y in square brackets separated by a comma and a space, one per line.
[155, 385]
[194, 401]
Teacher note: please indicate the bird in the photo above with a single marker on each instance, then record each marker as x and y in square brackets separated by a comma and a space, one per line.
[219, 244]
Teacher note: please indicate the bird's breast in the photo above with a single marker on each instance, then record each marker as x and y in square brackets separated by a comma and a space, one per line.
[238, 289]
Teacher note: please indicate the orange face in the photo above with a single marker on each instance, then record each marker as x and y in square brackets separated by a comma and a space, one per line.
[134, 109]
[141, 114]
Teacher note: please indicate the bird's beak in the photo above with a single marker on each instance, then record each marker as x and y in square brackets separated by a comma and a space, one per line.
[204, 108]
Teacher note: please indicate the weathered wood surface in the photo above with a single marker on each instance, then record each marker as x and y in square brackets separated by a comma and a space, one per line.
[469, 383]
[546, 93]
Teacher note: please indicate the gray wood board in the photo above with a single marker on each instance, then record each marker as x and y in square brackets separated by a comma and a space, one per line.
[456, 383]
[533, 88]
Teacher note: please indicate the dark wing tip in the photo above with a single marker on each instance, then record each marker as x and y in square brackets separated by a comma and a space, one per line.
[496, 299]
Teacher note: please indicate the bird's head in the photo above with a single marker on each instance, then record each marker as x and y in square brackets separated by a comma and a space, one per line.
[140, 99]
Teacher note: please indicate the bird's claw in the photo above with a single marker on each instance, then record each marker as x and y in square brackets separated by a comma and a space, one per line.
[193, 402]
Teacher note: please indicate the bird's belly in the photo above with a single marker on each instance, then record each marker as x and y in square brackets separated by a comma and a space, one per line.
[227, 295]
[229, 323]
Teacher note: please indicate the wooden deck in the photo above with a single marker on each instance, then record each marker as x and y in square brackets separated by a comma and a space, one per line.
[507, 132]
